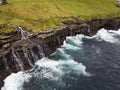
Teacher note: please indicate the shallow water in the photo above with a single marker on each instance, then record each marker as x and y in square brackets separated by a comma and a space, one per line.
[82, 63]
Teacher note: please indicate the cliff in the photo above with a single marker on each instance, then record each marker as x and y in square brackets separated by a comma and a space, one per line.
[17, 53]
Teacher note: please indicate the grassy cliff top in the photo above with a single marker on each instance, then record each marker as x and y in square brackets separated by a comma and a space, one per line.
[37, 15]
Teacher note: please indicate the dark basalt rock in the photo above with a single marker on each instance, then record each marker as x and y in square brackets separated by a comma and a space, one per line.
[108, 23]
[48, 41]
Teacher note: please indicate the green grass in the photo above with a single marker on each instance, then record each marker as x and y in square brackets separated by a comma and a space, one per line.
[37, 15]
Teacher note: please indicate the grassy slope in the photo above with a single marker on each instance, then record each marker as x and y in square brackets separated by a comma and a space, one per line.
[37, 15]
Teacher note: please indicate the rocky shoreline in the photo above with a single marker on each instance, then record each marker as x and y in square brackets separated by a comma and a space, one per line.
[44, 42]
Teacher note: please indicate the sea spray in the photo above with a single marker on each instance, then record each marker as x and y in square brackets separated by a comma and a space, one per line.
[61, 73]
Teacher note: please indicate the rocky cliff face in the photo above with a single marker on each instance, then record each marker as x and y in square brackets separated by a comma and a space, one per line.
[108, 23]
[20, 54]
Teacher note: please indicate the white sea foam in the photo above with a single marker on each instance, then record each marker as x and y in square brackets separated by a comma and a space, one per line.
[62, 53]
[115, 32]
[72, 43]
[56, 69]
[70, 47]
[75, 40]
[46, 68]
[15, 81]
[50, 70]
[105, 36]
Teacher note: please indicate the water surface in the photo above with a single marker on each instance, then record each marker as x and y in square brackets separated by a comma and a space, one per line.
[82, 63]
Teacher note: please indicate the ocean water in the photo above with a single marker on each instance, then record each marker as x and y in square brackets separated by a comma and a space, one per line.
[82, 63]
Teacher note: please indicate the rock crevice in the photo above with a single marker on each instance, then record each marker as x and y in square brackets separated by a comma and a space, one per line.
[16, 52]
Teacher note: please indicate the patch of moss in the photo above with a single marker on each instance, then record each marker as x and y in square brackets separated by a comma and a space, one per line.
[4, 28]
[39, 15]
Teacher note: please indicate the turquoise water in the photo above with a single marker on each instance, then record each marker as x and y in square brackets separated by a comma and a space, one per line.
[82, 63]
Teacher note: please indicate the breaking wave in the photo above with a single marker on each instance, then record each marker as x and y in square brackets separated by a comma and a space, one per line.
[49, 73]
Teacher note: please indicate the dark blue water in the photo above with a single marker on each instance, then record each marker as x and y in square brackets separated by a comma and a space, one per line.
[102, 59]
[82, 63]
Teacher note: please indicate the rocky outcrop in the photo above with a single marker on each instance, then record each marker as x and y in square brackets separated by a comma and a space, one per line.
[16, 52]
[108, 23]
